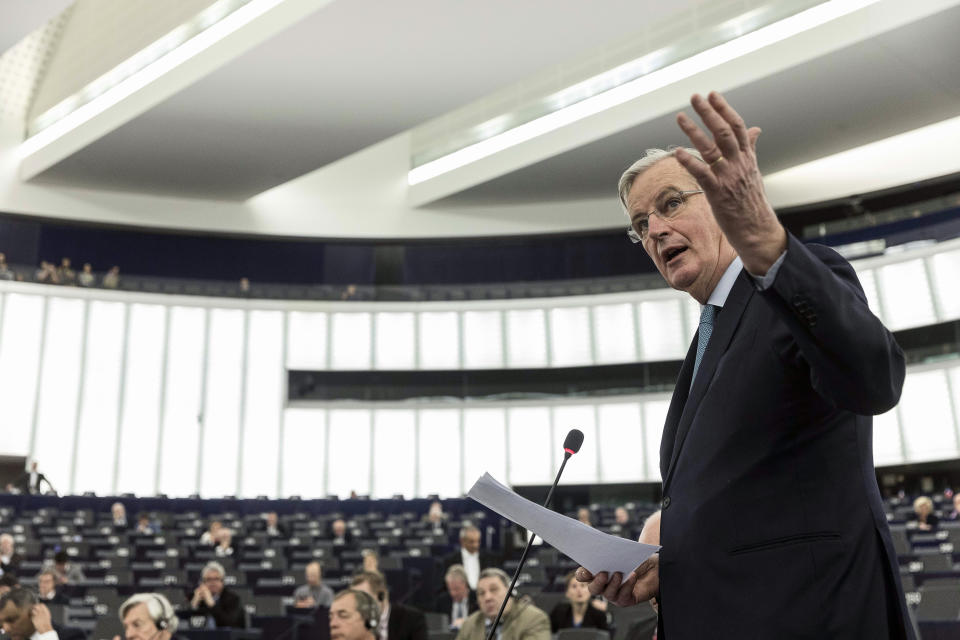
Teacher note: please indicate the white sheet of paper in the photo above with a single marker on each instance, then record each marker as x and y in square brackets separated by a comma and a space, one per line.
[592, 549]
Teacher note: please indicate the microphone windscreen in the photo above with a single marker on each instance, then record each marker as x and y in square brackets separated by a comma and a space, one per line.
[574, 441]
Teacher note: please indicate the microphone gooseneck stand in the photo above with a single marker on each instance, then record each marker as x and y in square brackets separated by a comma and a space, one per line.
[570, 446]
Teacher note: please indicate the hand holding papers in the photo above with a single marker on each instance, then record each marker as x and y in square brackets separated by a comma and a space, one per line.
[594, 550]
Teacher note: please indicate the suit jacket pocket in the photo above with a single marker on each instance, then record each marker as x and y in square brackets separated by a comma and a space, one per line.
[776, 543]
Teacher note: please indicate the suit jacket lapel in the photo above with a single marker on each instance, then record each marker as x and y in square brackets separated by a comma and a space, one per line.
[723, 332]
[677, 403]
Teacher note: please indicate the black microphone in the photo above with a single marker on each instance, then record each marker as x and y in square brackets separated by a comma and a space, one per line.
[571, 445]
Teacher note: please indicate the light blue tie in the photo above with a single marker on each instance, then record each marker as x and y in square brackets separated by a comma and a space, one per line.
[707, 315]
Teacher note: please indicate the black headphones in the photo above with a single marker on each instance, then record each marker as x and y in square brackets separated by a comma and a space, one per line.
[166, 612]
[368, 608]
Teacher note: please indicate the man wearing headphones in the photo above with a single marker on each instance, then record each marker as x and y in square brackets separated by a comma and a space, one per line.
[354, 615]
[397, 621]
[148, 616]
[521, 620]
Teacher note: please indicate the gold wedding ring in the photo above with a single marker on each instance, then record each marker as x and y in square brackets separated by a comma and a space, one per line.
[717, 161]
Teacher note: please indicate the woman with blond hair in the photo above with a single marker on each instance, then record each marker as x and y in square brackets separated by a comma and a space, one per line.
[926, 520]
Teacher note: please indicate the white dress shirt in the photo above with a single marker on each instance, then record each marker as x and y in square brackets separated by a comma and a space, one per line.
[471, 564]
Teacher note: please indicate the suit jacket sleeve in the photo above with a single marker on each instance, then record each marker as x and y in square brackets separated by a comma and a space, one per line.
[852, 360]
[406, 623]
[228, 611]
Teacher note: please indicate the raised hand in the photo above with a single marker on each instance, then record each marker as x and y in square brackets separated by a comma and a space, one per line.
[40, 617]
[731, 181]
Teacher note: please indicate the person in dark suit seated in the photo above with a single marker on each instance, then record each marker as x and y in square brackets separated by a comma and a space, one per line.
[339, 532]
[458, 601]
[579, 611]
[23, 617]
[274, 528]
[118, 513]
[771, 523]
[212, 598]
[10, 560]
[148, 616]
[926, 518]
[397, 621]
[470, 556]
[31, 482]
[47, 588]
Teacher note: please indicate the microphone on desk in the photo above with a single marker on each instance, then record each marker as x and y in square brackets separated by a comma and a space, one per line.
[571, 445]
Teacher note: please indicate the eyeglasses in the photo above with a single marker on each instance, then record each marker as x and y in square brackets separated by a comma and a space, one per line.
[670, 206]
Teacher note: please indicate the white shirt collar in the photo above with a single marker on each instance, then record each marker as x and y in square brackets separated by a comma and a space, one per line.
[722, 290]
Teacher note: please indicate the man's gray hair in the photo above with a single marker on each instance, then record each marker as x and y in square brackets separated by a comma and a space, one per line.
[456, 571]
[493, 572]
[467, 528]
[213, 566]
[649, 158]
[158, 607]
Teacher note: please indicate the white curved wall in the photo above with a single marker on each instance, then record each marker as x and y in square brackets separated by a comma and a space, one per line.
[115, 392]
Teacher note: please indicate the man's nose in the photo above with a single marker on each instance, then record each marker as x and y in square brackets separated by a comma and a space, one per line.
[656, 227]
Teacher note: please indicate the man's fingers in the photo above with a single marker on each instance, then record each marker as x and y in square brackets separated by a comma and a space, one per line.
[598, 584]
[726, 139]
[583, 575]
[732, 118]
[699, 139]
[753, 133]
[613, 587]
[698, 169]
[625, 594]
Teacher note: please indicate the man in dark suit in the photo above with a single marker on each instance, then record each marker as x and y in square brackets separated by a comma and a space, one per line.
[771, 522]
[458, 601]
[397, 621]
[215, 600]
[47, 588]
[32, 481]
[470, 556]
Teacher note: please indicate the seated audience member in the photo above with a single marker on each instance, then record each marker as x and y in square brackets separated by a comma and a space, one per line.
[6, 273]
[8, 582]
[354, 615]
[340, 533]
[217, 601]
[955, 514]
[47, 588]
[224, 546]
[622, 518]
[435, 515]
[521, 620]
[314, 593]
[118, 513]
[86, 278]
[371, 561]
[148, 616]
[10, 560]
[24, 617]
[66, 571]
[470, 556]
[397, 621]
[274, 528]
[458, 601]
[144, 526]
[111, 279]
[926, 520]
[46, 274]
[32, 481]
[65, 272]
[583, 515]
[579, 611]
[210, 535]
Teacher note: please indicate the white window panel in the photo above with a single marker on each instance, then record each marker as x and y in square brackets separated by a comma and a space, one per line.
[654, 415]
[661, 331]
[180, 446]
[351, 341]
[393, 453]
[927, 419]
[304, 453]
[264, 401]
[906, 296]
[570, 336]
[582, 467]
[526, 338]
[97, 426]
[439, 340]
[613, 331]
[19, 362]
[139, 423]
[868, 280]
[945, 272]
[530, 454]
[221, 422]
[691, 308]
[886, 439]
[621, 442]
[953, 374]
[484, 444]
[440, 452]
[482, 340]
[395, 343]
[349, 457]
[306, 341]
[60, 377]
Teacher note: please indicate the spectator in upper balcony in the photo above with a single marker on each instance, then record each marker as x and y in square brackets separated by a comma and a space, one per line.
[10, 560]
[66, 571]
[340, 533]
[224, 546]
[926, 519]
[6, 273]
[244, 287]
[470, 555]
[65, 273]
[31, 481]
[118, 514]
[274, 528]
[210, 535]
[217, 601]
[314, 593]
[46, 274]
[47, 588]
[111, 279]
[86, 278]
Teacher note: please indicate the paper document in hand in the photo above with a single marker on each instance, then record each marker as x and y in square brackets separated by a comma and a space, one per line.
[592, 549]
